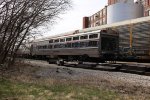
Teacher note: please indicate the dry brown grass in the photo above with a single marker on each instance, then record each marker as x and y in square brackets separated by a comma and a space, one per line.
[26, 73]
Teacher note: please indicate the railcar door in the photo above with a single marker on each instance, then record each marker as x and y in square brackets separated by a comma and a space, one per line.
[109, 44]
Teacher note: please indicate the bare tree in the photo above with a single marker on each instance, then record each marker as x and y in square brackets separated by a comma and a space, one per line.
[19, 17]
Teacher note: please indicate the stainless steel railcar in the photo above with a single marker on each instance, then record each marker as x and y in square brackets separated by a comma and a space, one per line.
[90, 46]
[134, 40]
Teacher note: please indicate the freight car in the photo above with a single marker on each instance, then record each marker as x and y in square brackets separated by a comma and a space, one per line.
[92, 46]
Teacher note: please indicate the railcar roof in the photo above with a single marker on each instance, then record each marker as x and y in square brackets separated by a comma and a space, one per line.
[58, 35]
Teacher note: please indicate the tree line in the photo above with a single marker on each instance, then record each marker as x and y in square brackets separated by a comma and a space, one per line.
[18, 19]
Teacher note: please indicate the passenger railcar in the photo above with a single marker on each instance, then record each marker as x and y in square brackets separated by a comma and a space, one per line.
[97, 45]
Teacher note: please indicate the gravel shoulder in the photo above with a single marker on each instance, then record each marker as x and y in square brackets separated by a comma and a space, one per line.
[36, 71]
[80, 73]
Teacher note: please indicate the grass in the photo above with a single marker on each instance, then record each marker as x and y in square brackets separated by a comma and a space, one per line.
[25, 91]
[27, 88]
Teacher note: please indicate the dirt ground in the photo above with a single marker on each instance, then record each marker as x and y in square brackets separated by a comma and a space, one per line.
[39, 72]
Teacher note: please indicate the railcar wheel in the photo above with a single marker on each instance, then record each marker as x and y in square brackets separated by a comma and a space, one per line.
[84, 57]
[70, 58]
[60, 62]
[57, 62]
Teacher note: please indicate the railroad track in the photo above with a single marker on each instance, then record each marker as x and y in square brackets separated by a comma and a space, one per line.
[127, 67]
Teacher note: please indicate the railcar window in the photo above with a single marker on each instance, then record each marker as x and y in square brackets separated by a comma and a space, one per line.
[45, 47]
[62, 46]
[76, 38]
[42, 47]
[68, 45]
[62, 40]
[38, 47]
[50, 41]
[93, 36]
[76, 45]
[68, 39]
[93, 43]
[84, 37]
[56, 41]
[83, 44]
[56, 45]
[50, 46]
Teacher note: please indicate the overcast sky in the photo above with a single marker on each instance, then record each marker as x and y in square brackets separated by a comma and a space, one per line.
[72, 19]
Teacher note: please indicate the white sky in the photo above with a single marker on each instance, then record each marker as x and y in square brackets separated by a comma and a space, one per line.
[72, 19]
